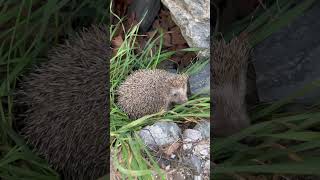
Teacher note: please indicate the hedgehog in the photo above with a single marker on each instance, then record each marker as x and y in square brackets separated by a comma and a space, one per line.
[66, 120]
[229, 72]
[146, 92]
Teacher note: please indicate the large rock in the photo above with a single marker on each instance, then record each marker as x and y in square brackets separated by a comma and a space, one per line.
[289, 59]
[204, 128]
[193, 18]
[160, 134]
[200, 82]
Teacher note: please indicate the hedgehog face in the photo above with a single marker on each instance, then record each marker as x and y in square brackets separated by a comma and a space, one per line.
[178, 95]
[178, 90]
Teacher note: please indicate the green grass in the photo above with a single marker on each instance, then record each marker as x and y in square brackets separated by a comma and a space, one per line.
[130, 156]
[28, 29]
[281, 143]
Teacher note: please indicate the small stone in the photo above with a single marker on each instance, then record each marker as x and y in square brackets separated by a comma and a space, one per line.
[194, 162]
[191, 135]
[207, 165]
[187, 146]
[204, 128]
[206, 168]
[202, 150]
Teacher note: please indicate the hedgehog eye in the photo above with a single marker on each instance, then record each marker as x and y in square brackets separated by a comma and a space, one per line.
[175, 94]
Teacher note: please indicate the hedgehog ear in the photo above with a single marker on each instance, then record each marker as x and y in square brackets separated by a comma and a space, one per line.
[183, 77]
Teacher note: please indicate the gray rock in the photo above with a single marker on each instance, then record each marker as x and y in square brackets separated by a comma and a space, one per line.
[187, 146]
[289, 59]
[199, 157]
[200, 82]
[193, 18]
[204, 128]
[191, 135]
[160, 134]
[206, 168]
[142, 7]
[195, 163]
[202, 150]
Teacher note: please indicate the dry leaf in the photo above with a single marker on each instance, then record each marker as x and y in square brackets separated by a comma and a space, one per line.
[151, 34]
[167, 40]
[187, 58]
[177, 38]
[156, 24]
[117, 41]
[172, 148]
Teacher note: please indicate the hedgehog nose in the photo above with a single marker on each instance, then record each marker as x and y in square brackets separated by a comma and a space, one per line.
[184, 100]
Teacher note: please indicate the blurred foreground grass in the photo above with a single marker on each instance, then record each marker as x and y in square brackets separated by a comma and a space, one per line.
[28, 28]
[281, 143]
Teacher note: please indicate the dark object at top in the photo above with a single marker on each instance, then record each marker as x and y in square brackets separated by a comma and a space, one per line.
[140, 8]
[67, 117]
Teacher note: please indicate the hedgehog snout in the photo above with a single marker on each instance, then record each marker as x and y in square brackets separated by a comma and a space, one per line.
[181, 99]
[184, 99]
[178, 96]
